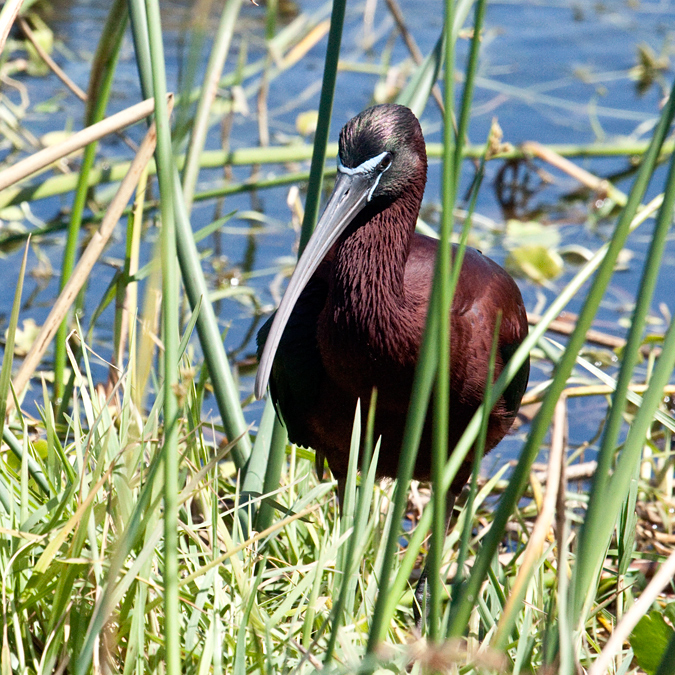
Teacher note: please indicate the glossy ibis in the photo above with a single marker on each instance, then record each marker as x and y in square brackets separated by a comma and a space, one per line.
[354, 311]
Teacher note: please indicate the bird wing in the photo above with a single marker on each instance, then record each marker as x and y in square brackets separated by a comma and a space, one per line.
[483, 289]
[474, 316]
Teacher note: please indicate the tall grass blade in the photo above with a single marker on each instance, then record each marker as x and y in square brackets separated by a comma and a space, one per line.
[348, 499]
[351, 560]
[316, 170]
[239, 664]
[564, 368]
[170, 299]
[100, 86]
[219, 51]
[597, 517]
[224, 387]
[368, 473]
[8, 356]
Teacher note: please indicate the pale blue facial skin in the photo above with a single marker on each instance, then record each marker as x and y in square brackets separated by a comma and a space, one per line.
[369, 166]
[354, 188]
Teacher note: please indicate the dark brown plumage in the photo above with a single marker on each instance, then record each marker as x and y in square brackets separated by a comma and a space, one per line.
[353, 318]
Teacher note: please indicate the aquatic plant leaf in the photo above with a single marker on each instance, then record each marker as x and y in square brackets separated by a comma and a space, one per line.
[649, 641]
[25, 337]
[44, 37]
[306, 122]
[575, 254]
[539, 263]
[530, 233]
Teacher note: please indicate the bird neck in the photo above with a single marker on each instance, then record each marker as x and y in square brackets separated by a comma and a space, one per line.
[368, 293]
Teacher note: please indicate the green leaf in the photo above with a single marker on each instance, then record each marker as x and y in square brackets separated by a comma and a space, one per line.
[45, 38]
[649, 641]
[306, 122]
[537, 262]
[10, 337]
[417, 91]
[627, 528]
[530, 233]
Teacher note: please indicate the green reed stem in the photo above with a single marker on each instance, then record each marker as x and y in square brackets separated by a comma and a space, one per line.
[139, 32]
[57, 185]
[224, 387]
[540, 425]
[599, 517]
[170, 299]
[477, 459]
[257, 462]
[316, 170]
[214, 68]
[442, 402]
[467, 94]
[425, 374]
[98, 95]
[275, 464]
[318, 159]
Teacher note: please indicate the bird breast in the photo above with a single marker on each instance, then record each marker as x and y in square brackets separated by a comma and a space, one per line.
[378, 347]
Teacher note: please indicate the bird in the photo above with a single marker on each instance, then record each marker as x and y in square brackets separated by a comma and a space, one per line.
[353, 314]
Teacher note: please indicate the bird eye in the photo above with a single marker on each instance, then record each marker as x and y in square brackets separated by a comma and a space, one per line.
[385, 163]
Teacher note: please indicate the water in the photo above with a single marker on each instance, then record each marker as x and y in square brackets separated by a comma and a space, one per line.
[550, 71]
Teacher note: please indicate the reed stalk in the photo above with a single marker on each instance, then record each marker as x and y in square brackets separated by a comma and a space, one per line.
[316, 170]
[100, 87]
[170, 300]
[115, 170]
[595, 529]
[219, 52]
[564, 367]
[442, 307]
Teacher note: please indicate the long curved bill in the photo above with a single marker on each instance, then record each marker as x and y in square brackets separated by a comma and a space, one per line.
[352, 191]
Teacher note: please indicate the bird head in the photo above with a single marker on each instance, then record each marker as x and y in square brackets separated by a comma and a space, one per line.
[382, 157]
[385, 145]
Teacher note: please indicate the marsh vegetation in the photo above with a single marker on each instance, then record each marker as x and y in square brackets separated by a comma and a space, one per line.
[153, 517]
